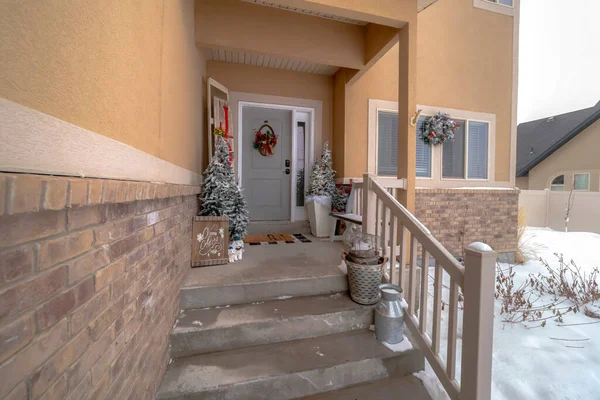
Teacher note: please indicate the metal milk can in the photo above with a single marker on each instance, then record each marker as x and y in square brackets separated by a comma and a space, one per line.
[389, 315]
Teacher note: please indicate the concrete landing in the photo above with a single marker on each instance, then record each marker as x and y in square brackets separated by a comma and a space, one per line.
[287, 370]
[267, 272]
[405, 388]
[201, 331]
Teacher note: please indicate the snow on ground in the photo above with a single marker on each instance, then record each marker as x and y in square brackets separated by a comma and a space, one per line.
[560, 361]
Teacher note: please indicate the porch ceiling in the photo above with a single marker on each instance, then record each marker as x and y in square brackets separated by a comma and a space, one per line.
[263, 60]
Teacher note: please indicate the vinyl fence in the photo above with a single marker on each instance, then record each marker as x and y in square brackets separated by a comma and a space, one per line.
[545, 208]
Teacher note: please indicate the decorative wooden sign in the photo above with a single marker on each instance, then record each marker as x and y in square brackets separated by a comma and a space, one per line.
[210, 241]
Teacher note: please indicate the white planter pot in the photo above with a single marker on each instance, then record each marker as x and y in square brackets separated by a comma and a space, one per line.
[318, 209]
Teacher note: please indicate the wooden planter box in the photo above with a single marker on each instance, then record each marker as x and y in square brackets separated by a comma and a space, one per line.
[210, 241]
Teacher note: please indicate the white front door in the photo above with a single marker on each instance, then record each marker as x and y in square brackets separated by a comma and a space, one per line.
[267, 179]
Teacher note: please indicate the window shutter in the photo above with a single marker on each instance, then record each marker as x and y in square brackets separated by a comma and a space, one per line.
[387, 144]
[478, 150]
[453, 154]
[423, 153]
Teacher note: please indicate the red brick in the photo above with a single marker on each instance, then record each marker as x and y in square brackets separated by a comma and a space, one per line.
[58, 391]
[15, 336]
[59, 306]
[132, 188]
[3, 191]
[103, 364]
[24, 193]
[54, 194]
[78, 192]
[31, 292]
[109, 191]
[120, 210]
[80, 217]
[82, 366]
[15, 264]
[108, 233]
[81, 390]
[95, 192]
[121, 192]
[53, 251]
[100, 324]
[30, 358]
[21, 228]
[123, 246]
[81, 317]
[18, 393]
[52, 369]
[110, 273]
[100, 387]
[136, 256]
[88, 264]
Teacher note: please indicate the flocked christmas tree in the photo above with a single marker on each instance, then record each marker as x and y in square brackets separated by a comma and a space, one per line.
[220, 193]
[240, 217]
[321, 177]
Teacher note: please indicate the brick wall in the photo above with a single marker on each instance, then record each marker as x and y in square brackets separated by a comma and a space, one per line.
[89, 284]
[458, 217]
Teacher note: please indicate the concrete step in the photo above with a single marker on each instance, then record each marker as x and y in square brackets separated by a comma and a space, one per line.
[405, 388]
[201, 331]
[267, 272]
[287, 370]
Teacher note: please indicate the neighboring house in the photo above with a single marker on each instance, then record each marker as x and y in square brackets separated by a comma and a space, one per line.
[560, 152]
[106, 110]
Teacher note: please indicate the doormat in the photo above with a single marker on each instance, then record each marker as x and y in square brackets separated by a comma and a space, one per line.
[275, 238]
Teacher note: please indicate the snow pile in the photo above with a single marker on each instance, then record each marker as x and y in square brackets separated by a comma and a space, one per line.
[560, 361]
[432, 384]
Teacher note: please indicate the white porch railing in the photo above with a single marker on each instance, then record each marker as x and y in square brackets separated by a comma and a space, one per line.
[402, 233]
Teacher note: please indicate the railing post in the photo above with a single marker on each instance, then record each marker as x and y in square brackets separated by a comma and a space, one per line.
[369, 205]
[478, 322]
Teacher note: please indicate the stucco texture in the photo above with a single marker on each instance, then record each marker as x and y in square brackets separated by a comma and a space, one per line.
[115, 67]
[464, 61]
[277, 82]
[578, 155]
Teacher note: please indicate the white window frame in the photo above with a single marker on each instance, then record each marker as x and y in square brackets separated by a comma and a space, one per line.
[589, 181]
[556, 185]
[466, 152]
[497, 7]
[435, 181]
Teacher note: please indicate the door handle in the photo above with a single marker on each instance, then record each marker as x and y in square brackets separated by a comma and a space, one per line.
[287, 171]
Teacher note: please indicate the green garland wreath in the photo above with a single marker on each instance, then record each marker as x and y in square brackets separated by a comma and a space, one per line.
[438, 128]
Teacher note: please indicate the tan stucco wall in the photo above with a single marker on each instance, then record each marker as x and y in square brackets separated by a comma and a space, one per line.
[522, 182]
[120, 68]
[464, 61]
[277, 82]
[578, 155]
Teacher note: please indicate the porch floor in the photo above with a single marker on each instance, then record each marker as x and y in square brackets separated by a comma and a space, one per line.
[265, 263]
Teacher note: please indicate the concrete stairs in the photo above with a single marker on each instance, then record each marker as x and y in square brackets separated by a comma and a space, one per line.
[241, 336]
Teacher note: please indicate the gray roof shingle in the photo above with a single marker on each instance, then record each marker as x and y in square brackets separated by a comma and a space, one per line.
[536, 140]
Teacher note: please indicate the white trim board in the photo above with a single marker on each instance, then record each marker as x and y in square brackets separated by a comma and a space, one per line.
[38, 143]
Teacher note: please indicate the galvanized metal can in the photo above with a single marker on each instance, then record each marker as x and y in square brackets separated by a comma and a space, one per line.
[389, 315]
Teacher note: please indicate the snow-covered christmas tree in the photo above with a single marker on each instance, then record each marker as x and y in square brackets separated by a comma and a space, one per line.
[220, 193]
[238, 221]
[321, 177]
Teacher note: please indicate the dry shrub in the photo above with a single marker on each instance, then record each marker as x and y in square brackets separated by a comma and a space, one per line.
[567, 281]
[526, 250]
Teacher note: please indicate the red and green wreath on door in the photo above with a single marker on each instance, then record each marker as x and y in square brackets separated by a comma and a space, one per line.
[265, 140]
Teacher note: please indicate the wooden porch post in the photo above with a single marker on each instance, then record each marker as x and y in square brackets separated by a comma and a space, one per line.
[407, 104]
[478, 322]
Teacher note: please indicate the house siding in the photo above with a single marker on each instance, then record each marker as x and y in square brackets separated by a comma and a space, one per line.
[458, 217]
[89, 284]
[578, 155]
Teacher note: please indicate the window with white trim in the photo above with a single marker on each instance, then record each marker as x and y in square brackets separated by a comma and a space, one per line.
[581, 182]
[508, 3]
[467, 156]
[558, 184]
[387, 146]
